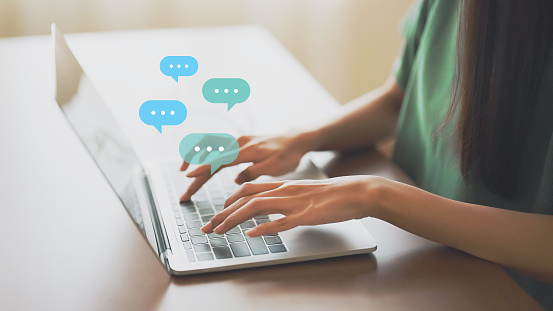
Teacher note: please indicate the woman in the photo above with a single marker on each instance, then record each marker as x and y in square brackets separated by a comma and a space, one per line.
[471, 103]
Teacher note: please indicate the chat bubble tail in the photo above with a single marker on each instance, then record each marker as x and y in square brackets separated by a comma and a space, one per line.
[158, 127]
[214, 168]
[176, 78]
[230, 105]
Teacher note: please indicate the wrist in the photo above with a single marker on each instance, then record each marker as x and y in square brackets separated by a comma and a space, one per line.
[377, 197]
[308, 141]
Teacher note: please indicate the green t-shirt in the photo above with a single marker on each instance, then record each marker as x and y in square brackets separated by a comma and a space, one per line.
[425, 70]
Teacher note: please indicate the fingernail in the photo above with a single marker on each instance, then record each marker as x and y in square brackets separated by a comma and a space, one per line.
[252, 232]
[207, 227]
[240, 179]
[219, 228]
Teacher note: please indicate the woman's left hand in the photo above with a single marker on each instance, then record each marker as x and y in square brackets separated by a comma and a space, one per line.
[303, 202]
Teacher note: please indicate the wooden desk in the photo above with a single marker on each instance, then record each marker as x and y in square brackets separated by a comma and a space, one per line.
[67, 244]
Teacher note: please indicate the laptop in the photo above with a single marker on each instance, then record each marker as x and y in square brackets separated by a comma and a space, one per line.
[150, 194]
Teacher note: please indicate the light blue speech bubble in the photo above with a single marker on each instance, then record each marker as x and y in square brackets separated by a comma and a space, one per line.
[229, 91]
[214, 149]
[178, 66]
[162, 112]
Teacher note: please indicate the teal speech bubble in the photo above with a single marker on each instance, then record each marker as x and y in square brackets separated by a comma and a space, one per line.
[230, 91]
[213, 149]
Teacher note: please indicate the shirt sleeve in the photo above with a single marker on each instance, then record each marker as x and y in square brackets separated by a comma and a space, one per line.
[413, 24]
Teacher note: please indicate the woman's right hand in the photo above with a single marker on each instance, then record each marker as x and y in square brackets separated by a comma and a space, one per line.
[272, 156]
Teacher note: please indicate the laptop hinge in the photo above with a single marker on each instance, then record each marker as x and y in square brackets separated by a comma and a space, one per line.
[162, 240]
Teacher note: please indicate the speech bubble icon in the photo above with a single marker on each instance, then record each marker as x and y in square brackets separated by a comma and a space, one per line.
[178, 66]
[162, 112]
[214, 149]
[229, 91]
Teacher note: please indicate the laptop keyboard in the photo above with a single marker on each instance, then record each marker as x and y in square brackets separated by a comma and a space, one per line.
[209, 200]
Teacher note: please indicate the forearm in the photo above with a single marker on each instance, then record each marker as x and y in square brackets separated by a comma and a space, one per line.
[365, 121]
[521, 241]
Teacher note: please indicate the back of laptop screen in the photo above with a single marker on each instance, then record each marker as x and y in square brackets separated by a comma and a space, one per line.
[93, 122]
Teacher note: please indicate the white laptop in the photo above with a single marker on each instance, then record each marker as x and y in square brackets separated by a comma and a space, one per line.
[150, 194]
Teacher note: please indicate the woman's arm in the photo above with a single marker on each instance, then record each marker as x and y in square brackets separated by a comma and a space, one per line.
[517, 240]
[366, 120]
[521, 241]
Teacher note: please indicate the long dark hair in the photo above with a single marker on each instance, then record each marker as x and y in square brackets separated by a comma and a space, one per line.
[502, 48]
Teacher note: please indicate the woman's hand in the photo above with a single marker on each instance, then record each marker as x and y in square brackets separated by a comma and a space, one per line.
[304, 202]
[272, 156]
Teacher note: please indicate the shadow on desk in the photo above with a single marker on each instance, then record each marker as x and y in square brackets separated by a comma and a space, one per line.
[358, 274]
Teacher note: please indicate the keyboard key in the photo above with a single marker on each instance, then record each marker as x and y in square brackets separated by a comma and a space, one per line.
[206, 211]
[277, 248]
[206, 218]
[222, 252]
[184, 237]
[188, 207]
[248, 224]
[191, 216]
[270, 234]
[202, 248]
[177, 214]
[190, 256]
[193, 224]
[215, 236]
[182, 229]
[218, 201]
[235, 238]
[240, 249]
[270, 240]
[262, 217]
[218, 242]
[257, 246]
[205, 256]
[198, 240]
[234, 230]
[261, 221]
[195, 232]
[200, 205]
[180, 222]
[187, 245]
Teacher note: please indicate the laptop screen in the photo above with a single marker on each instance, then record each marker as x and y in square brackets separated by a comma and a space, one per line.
[93, 122]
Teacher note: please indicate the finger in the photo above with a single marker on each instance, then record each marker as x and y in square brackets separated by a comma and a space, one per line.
[254, 207]
[279, 225]
[242, 140]
[266, 167]
[249, 189]
[195, 185]
[200, 170]
[184, 166]
[245, 155]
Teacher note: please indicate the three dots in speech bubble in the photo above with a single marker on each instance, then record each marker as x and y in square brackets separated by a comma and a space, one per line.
[157, 113]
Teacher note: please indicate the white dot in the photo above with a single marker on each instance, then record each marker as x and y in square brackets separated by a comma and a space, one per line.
[216, 90]
[185, 66]
[221, 149]
[235, 90]
[196, 148]
[171, 66]
[172, 113]
[153, 113]
[226, 90]
[178, 66]
[209, 148]
[162, 112]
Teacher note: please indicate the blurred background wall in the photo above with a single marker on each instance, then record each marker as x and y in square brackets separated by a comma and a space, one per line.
[348, 45]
